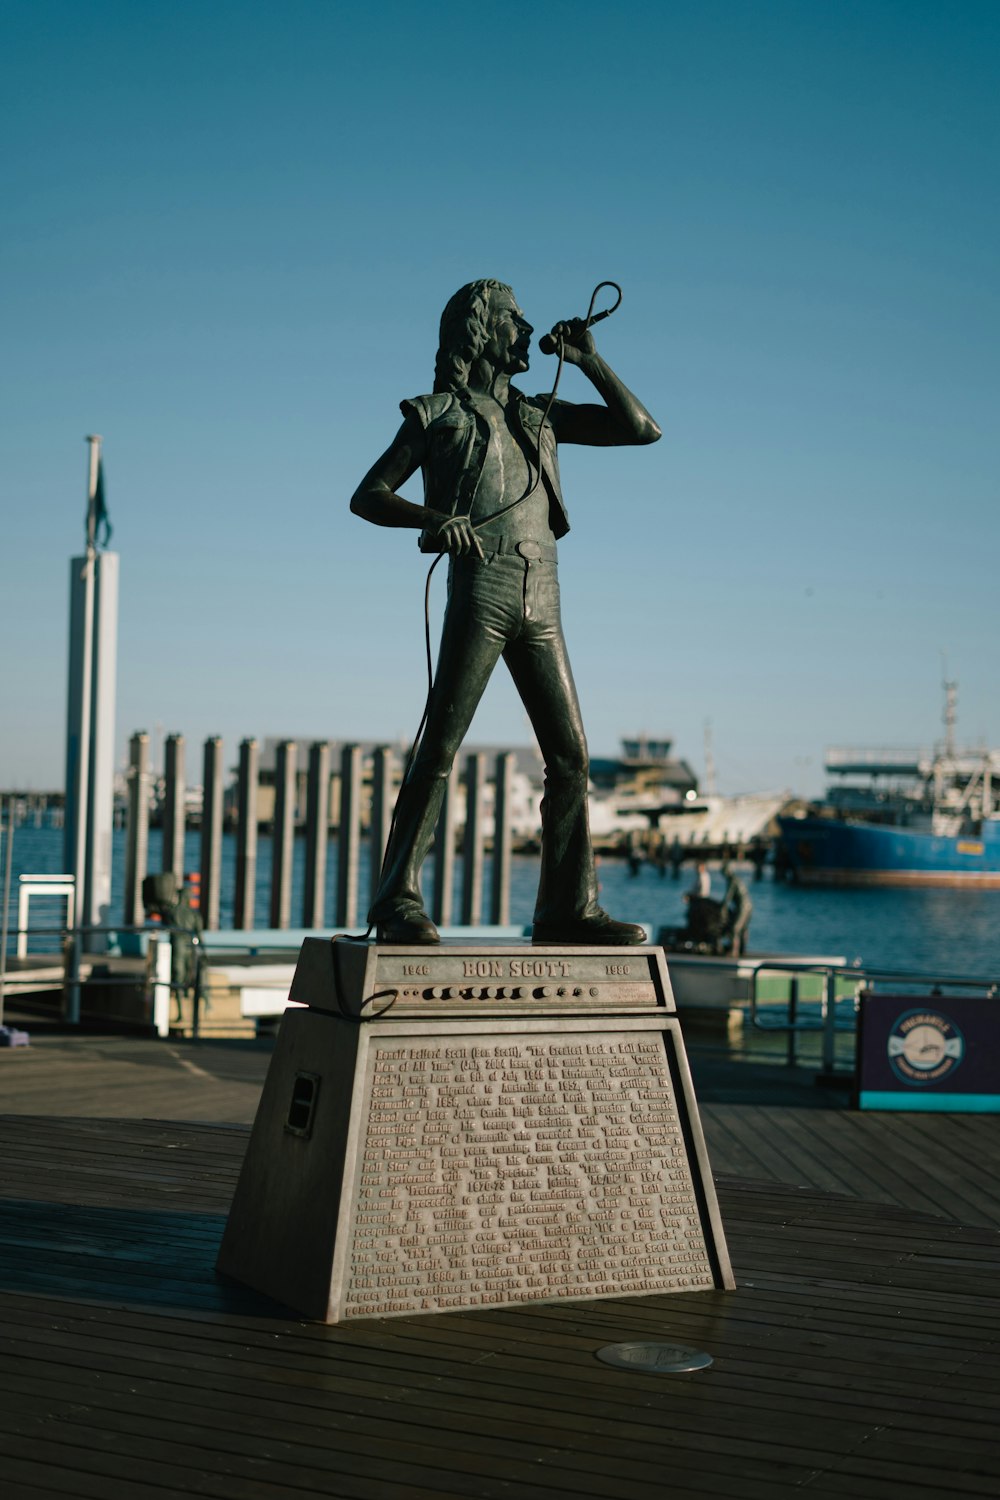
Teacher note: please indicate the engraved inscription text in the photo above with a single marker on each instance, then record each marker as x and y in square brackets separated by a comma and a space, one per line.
[506, 1170]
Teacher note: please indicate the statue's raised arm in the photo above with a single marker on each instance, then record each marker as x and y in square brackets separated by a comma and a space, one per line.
[621, 422]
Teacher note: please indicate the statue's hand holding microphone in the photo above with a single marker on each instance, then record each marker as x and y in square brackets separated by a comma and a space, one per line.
[572, 338]
[575, 338]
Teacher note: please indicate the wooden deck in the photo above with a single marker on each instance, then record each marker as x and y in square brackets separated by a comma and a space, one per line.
[859, 1356]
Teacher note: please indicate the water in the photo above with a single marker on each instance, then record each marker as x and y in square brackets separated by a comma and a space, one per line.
[933, 931]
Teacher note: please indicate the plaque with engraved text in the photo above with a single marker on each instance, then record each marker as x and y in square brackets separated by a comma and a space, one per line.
[510, 1169]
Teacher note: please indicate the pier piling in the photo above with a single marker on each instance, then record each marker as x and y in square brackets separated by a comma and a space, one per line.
[472, 854]
[211, 833]
[381, 819]
[137, 845]
[283, 833]
[500, 894]
[349, 836]
[172, 859]
[246, 834]
[317, 834]
[444, 854]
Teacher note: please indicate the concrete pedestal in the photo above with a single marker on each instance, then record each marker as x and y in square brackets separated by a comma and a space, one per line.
[459, 1127]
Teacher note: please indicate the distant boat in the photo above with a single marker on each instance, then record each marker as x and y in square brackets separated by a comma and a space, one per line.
[894, 817]
[648, 788]
[717, 822]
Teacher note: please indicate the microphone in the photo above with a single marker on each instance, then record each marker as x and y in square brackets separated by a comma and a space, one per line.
[549, 342]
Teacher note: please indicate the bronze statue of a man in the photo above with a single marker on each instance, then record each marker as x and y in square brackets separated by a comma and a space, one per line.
[493, 502]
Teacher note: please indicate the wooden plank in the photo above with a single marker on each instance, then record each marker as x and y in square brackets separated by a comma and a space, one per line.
[474, 1450]
[964, 1183]
[147, 1352]
[25, 1478]
[416, 1465]
[859, 1353]
[956, 1157]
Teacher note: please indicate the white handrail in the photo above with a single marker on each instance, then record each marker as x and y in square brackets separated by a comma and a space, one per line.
[42, 885]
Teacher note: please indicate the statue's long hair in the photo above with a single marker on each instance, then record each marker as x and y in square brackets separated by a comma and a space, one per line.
[464, 333]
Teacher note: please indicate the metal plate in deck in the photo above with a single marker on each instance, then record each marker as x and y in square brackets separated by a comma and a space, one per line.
[654, 1358]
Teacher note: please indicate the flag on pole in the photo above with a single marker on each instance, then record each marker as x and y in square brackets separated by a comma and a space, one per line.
[100, 512]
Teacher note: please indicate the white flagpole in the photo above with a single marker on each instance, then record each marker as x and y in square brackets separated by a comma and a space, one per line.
[85, 660]
[85, 829]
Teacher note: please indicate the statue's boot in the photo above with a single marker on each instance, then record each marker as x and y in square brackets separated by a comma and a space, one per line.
[405, 927]
[594, 928]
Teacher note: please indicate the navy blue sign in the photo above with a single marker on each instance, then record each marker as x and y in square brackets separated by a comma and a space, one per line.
[927, 1052]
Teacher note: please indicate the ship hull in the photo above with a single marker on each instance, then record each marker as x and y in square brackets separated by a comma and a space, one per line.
[831, 851]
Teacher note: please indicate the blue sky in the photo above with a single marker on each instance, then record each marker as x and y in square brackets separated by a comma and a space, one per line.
[230, 230]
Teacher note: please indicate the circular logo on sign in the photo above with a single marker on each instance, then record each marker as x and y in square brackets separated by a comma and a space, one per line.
[924, 1046]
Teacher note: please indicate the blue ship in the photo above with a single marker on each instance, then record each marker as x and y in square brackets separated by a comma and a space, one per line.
[894, 817]
[830, 850]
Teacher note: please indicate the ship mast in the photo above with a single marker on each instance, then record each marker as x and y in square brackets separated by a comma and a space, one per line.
[709, 761]
[944, 765]
[949, 716]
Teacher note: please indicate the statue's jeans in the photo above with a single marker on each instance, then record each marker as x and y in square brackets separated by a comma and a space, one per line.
[504, 606]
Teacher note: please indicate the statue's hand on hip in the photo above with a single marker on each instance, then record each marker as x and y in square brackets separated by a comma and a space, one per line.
[457, 536]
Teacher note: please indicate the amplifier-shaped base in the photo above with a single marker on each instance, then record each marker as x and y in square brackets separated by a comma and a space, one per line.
[436, 1133]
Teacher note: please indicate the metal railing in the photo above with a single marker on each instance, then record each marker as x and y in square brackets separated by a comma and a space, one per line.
[48, 888]
[856, 980]
[874, 755]
[154, 975]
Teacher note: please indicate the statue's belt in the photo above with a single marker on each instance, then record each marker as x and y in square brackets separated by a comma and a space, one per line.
[530, 551]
